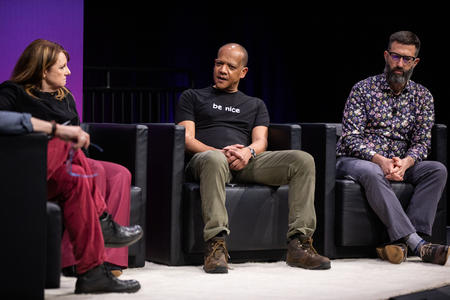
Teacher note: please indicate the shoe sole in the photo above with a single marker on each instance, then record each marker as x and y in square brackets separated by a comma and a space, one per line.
[448, 254]
[446, 258]
[392, 253]
[132, 289]
[218, 270]
[129, 243]
[380, 253]
[324, 266]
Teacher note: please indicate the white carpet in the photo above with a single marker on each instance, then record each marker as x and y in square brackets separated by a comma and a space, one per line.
[347, 279]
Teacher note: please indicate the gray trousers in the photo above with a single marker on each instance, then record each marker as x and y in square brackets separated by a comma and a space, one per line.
[293, 167]
[428, 178]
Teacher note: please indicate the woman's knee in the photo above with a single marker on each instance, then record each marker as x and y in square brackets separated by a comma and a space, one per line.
[96, 167]
[115, 171]
[124, 172]
[75, 178]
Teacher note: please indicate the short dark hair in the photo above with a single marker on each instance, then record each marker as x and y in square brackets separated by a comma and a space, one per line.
[405, 38]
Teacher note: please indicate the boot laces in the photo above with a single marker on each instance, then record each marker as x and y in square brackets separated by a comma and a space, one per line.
[218, 245]
[426, 250]
[307, 245]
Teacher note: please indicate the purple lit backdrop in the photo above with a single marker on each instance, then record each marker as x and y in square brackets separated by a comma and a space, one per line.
[21, 22]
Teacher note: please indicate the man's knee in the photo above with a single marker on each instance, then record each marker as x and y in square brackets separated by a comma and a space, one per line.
[361, 170]
[213, 160]
[438, 169]
[372, 175]
[304, 159]
[213, 157]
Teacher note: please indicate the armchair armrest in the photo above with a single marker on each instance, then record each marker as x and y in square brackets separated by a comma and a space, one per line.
[439, 153]
[124, 144]
[166, 176]
[23, 190]
[284, 137]
[319, 140]
[439, 143]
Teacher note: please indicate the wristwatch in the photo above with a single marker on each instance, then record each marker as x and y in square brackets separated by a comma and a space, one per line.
[252, 151]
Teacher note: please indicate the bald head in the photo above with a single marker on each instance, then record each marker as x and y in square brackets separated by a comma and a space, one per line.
[230, 67]
[236, 47]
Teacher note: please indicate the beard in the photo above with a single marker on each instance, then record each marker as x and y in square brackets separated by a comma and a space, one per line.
[397, 80]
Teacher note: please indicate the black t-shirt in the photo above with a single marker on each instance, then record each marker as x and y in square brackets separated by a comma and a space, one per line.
[221, 119]
[13, 97]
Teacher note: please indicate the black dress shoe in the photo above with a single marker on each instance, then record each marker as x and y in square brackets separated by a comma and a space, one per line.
[116, 236]
[100, 280]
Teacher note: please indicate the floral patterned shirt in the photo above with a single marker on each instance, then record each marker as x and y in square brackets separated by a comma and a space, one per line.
[377, 121]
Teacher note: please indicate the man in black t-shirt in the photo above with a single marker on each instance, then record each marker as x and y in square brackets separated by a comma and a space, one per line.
[226, 132]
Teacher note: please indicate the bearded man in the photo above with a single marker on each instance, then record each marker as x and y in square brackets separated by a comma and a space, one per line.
[386, 136]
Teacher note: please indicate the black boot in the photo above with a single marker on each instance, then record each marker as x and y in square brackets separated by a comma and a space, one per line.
[116, 236]
[100, 280]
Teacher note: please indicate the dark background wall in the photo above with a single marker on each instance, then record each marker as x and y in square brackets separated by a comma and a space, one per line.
[302, 63]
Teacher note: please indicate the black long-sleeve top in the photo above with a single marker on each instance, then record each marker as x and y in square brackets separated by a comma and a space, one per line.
[45, 106]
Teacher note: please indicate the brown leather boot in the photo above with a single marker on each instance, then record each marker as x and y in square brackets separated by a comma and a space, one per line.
[302, 254]
[435, 253]
[394, 253]
[216, 256]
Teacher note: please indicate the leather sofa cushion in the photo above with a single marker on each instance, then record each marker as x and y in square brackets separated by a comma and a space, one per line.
[356, 223]
[257, 214]
[54, 235]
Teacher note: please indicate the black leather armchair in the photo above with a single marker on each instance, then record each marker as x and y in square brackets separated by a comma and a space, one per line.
[346, 225]
[126, 144]
[23, 171]
[33, 226]
[257, 213]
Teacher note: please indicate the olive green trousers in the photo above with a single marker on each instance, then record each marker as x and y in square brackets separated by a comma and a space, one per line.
[293, 167]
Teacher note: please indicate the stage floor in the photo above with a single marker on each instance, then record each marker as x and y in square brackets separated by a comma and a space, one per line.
[347, 279]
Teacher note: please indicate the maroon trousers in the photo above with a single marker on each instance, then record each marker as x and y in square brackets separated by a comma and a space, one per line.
[81, 201]
[113, 182]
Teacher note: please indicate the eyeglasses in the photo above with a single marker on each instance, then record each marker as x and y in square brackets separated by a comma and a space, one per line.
[70, 159]
[406, 59]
